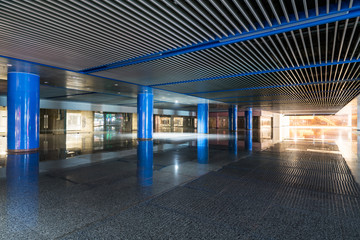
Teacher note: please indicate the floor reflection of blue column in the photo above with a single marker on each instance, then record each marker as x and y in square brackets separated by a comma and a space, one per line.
[203, 149]
[22, 174]
[233, 143]
[145, 163]
[248, 140]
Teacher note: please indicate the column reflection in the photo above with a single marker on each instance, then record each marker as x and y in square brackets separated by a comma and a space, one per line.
[22, 195]
[248, 140]
[203, 149]
[233, 143]
[145, 163]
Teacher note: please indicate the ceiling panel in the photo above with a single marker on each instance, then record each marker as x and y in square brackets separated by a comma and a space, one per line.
[280, 51]
[277, 55]
[270, 80]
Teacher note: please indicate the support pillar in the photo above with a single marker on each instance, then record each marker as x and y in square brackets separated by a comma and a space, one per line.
[145, 107]
[233, 118]
[23, 105]
[248, 119]
[203, 118]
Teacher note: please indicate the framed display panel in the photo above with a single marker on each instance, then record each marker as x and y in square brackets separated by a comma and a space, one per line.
[73, 121]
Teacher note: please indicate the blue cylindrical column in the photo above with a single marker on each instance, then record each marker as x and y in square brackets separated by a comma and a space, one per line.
[203, 118]
[203, 149]
[22, 197]
[145, 105]
[23, 104]
[248, 119]
[233, 118]
[145, 163]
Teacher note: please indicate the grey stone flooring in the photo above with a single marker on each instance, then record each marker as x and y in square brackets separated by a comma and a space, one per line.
[274, 194]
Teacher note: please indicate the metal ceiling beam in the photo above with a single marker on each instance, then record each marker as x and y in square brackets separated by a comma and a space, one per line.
[292, 25]
[261, 72]
[278, 100]
[281, 94]
[276, 86]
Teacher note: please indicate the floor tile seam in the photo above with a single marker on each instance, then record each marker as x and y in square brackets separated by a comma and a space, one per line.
[93, 154]
[185, 175]
[86, 165]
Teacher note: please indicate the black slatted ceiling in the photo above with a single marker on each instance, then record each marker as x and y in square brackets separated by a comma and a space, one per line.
[83, 34]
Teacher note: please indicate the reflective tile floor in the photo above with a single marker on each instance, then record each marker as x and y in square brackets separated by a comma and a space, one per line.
[195, 187]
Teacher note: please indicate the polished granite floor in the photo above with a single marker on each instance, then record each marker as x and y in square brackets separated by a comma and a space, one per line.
[197, 187]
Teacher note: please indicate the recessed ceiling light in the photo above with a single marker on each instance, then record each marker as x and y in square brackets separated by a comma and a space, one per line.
[176, 101]
[46, 82]
[118, 93]
[116, 84]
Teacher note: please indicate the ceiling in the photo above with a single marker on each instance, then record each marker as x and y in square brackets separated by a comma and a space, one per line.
[288, 56]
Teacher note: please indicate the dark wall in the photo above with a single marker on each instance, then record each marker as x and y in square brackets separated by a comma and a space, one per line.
[55, 121]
